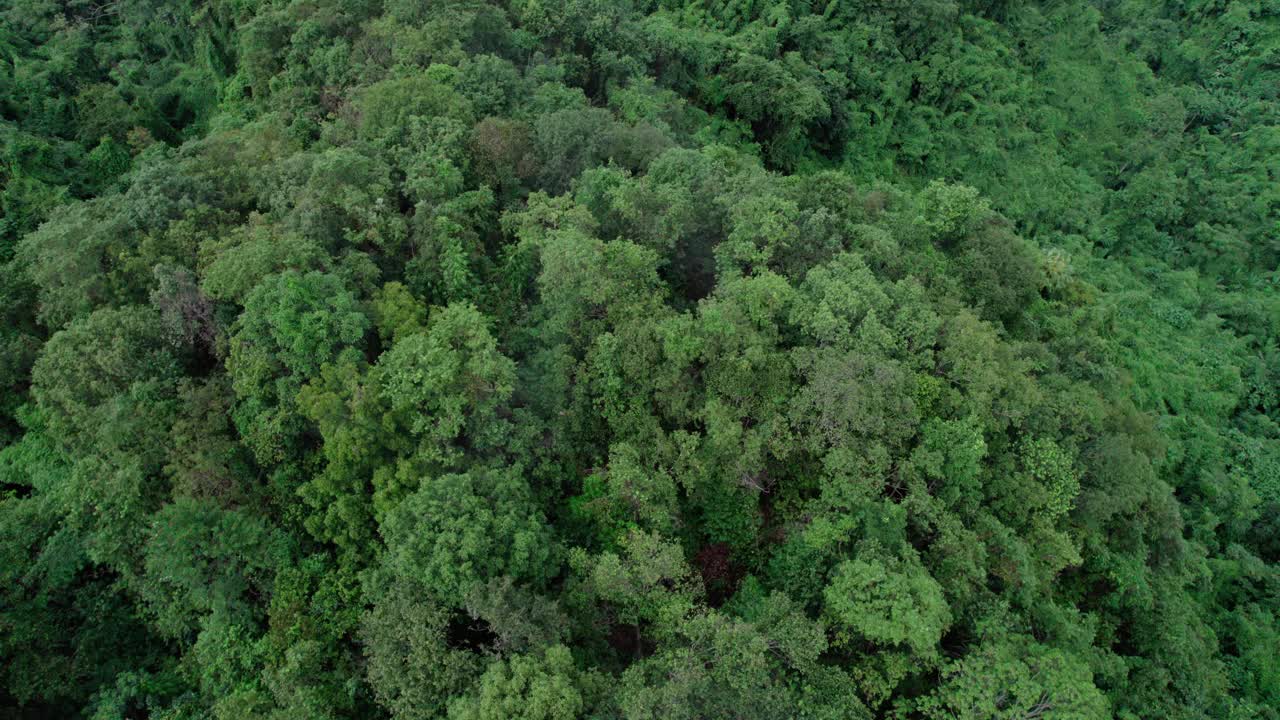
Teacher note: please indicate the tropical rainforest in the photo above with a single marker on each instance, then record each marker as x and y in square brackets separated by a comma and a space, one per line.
[639, 359]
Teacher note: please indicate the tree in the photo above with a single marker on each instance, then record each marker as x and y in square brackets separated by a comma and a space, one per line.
[889, 599]
[649, 582]
[717, 667]
[458, 530]
[90, 372]
[1015, 678]
[292, 324]
[449, 385]
[525, 687]
[411, 668]
[950, 454]
[522, 619]
[203, 560]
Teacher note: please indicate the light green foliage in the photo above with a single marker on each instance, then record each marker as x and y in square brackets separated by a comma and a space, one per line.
[298, 321]
[292, 324]
[1016, 678]
[348, 416]
[67, 277]
[649, 581]
[1053, 469]
[950, 454]
[888, 599]
[389, 106]
[395, 312]
[339, 197]
[237, 263]
[459, 530]
[448, 381]
[762, 231]
[718, 667]
[525, 688]
[836, 298]
[950, 212]
[633, 492]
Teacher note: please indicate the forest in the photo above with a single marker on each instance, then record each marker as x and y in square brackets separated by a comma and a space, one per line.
[639, 359]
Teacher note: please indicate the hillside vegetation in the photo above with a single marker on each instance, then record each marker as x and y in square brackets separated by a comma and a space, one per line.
[639, 359]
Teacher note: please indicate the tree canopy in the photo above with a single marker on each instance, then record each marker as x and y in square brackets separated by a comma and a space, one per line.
[557, 359]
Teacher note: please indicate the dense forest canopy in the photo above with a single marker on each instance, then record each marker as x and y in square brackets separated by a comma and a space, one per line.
[639, 359]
